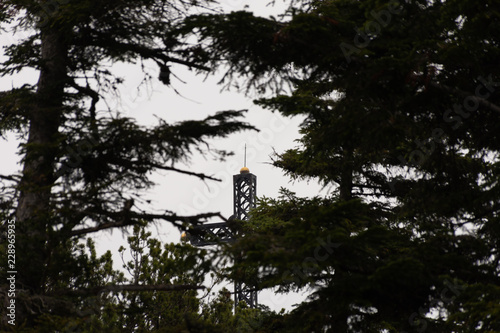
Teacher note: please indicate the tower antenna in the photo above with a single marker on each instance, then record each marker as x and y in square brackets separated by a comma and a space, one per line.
[245, 160]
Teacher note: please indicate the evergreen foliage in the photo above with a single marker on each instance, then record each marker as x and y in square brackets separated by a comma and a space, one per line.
[84, 169]
[400, 102]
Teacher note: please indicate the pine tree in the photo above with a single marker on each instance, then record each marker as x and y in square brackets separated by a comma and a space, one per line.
[82, 170]
[400, 104]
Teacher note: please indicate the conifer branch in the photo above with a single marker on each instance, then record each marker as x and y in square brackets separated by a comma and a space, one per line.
[131, 218]
[147, 52]
[125, 287]
[481, 101]
[94, 95]
[11, 178]
[199, 175]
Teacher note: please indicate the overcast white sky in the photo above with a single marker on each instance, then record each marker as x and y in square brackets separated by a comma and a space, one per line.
[200, 97]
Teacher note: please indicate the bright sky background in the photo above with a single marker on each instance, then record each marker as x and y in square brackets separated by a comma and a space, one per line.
[199, 97]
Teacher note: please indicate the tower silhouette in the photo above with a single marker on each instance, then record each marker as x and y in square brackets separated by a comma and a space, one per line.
[244, 198]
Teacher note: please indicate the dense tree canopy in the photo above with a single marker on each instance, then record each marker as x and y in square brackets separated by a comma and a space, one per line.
[83, 170]
[400, 101]
[401, 108]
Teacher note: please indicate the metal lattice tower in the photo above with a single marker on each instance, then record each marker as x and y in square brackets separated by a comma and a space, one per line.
[245, 188]
[245, 191]
[244, 198]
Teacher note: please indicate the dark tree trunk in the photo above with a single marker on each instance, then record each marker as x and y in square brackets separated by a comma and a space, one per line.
[33, 213]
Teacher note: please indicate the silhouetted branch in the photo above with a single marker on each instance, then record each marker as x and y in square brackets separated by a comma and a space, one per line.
[481, 101]
[133, 217]
[11, 178]
[199, 175]
[125, 287]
